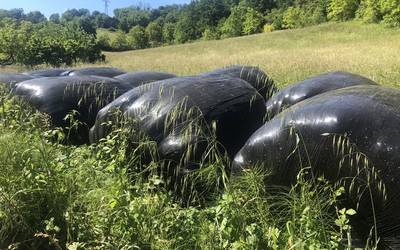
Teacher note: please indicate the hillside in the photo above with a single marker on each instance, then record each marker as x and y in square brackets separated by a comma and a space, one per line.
[291, 55]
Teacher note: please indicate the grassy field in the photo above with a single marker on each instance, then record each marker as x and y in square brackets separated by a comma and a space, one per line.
[288, 56]
[54, 196]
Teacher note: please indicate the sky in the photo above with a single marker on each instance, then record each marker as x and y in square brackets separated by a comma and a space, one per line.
[48, 7]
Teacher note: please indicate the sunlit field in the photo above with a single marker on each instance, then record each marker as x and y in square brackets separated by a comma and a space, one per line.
[288, 56]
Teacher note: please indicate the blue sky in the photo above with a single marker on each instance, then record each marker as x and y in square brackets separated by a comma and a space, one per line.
[49, 7]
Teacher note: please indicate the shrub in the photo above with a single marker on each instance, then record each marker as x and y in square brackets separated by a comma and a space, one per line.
[268, 28]
[211, 33]
[233, 25]
[293, 18]
[104, 42]
[154, 34]
[369, 11]
[342, 10]
[51, 44]
[137, 38]
[390, 10]
[252, 22]
[120, 42]
[275, 18]
[168, 33]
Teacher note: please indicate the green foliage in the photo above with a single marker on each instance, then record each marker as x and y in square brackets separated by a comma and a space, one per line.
[342, 10]
[369, 11]
[132, 16]
[211, 33]
[119, 42]
[292, 18]
[390, 10]
[51, 44]
[275, 18]
[168, 33]
[253, 22]
[154, 34]
[233, 25]
[137, 38]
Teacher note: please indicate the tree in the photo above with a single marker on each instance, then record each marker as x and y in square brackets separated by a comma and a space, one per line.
[154, 34]
[137, 37]
[369, 11]
[55, 18]
[120, 42]
[233, 25]
[186, 28]
[390, 10]
[342, 10]
[253, 22]
[168, 33]
[293, 18]
[132, 16]
[35, 17]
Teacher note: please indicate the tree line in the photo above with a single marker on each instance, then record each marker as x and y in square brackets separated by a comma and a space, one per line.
[138, 27]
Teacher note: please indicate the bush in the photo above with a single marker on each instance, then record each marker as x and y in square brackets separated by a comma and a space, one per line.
[369, 11]
[293, 18]
[211, 33]
[168, 33]
[233, 25]
[342, 10]
[391, 12]
[120, 42]
[252, 22]
[104, 42]
[154, 34]
[275, 18]
[137, 38]
[268, 28]
[51, 44]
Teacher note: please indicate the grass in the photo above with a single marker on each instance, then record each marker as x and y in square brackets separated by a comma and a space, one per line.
[288, 56]
[54, 196]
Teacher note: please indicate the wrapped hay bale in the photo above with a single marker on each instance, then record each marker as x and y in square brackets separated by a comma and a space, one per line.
[313, 86]
[48, 73]
[11, 79]
[253, 75]
[136, 79]
[96, 71]
[59, 96]
[350, 136]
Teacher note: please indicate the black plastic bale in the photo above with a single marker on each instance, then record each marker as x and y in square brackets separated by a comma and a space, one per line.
[138, 78]
[231, 104]
[326, 132]
[96, 71]
[59, 96]
[11, 79]
[313, 86]
[253, 75]
[48, 73]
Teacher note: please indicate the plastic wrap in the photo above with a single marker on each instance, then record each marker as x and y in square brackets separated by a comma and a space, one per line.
[136, 79]
[10, 79]
[96, 71]
[231, 104]
[48, 73]
[313, 86]
[58, 96]
[333, 133]
[253, 75]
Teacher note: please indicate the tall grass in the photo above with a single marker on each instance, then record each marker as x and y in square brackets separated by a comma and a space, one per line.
[58, 196]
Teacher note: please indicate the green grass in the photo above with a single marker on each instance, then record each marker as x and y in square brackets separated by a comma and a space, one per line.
[57, 196]
[288, 56]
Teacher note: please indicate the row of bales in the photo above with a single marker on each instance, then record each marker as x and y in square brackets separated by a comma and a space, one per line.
[339, 125]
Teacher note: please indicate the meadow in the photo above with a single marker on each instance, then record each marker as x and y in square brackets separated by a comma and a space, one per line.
[54, 196]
